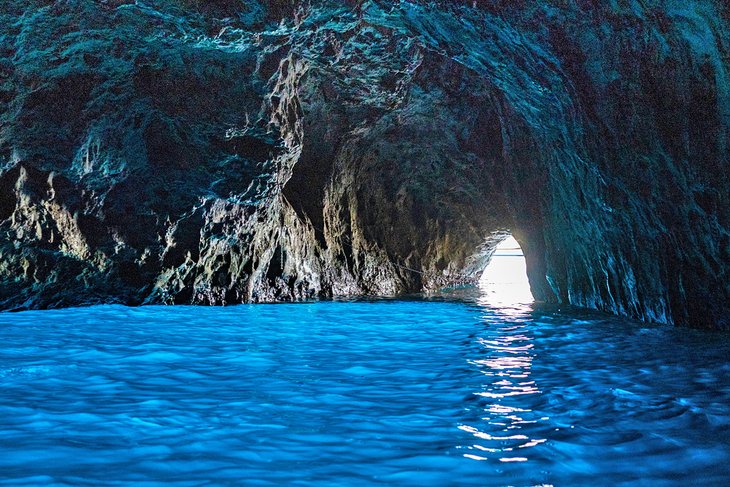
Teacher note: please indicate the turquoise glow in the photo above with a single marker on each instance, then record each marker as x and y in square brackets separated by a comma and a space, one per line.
[447, 392]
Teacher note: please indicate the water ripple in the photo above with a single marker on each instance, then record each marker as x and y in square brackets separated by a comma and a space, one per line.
[357, 393]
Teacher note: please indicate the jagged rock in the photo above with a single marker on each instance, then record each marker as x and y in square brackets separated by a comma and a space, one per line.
[169, 151]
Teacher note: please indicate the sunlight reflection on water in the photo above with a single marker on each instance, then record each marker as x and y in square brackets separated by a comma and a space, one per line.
[507, 427]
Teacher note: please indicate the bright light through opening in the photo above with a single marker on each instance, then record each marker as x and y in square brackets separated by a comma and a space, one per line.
[505, 279]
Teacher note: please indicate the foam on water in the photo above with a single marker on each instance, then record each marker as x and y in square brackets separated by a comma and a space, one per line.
[357, 393]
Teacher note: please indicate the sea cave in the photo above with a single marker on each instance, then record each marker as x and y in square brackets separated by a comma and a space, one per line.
[466, 242]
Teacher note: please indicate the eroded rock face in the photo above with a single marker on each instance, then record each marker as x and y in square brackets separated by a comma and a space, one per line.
[174, 151]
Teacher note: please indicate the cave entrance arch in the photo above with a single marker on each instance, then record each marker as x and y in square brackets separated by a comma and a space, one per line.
[504, 281]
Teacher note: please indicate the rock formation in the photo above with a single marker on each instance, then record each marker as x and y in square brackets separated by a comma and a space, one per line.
[218, 152]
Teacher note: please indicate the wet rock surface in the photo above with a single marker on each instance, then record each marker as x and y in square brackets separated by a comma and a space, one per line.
[222, 152]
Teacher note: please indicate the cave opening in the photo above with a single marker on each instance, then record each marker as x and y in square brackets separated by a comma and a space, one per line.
[504, 281]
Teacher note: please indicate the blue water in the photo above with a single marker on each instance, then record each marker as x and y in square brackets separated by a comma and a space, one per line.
[439, 392]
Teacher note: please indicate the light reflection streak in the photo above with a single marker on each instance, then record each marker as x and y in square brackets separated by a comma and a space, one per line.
[513, 459]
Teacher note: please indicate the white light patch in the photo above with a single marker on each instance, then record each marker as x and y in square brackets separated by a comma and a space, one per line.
[505, 279]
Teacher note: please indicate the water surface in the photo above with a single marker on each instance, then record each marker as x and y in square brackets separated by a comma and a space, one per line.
[418, 392]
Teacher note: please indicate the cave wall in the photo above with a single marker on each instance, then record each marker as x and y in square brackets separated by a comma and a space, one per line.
[169, 151]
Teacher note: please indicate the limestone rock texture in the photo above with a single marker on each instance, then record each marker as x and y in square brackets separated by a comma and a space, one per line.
[229, 151]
